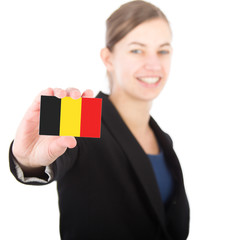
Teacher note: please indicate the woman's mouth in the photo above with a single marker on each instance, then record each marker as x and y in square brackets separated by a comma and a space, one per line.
[150, 80]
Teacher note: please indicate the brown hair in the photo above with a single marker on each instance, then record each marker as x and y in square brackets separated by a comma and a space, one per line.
[127, 17]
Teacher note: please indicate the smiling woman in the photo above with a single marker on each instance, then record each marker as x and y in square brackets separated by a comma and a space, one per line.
[141, 60]
[123, 21]
[128, 184]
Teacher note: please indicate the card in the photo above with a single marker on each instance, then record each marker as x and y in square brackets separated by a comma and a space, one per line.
[70, 117]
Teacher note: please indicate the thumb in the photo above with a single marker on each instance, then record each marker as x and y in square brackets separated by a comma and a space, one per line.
[59, 146]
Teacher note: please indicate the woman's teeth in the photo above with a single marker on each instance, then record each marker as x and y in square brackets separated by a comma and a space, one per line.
[150, 79]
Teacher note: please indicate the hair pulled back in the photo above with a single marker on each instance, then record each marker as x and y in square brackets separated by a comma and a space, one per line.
[127, 17]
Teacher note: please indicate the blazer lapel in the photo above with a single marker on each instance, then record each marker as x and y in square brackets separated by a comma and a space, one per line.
[170, 155]
[135, 154]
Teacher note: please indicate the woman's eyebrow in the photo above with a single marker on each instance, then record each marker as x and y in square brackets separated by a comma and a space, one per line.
[144, 45]
[165, 44]
[137, 43]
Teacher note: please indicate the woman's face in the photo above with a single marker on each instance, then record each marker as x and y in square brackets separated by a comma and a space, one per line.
[140, 62]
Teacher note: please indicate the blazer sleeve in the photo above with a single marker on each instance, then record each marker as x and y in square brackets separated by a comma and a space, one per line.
[55, 171]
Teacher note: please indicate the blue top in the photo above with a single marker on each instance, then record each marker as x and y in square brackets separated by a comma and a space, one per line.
[162, 175]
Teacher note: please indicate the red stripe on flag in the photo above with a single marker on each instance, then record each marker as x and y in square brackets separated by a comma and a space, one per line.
[91, 117]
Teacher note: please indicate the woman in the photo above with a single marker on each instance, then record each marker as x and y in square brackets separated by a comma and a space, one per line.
[128, 184]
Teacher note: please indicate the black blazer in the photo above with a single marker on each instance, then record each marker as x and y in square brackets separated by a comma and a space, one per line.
[107, 188]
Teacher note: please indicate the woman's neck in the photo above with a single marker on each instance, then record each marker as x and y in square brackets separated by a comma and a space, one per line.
[134, 112]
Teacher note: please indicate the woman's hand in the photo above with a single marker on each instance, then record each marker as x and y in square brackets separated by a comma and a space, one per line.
[34, 151]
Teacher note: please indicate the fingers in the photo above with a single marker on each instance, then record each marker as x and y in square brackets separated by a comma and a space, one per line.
[88, 93]
[36, 103]
[73, 93]
[69, 92]
[66, 141]
[59, 146]
[46, 92]
[60, 93]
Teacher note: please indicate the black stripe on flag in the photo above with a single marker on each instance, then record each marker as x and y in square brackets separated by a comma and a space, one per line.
[50, 115]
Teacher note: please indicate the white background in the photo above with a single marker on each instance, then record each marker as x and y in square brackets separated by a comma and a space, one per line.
[57, 43]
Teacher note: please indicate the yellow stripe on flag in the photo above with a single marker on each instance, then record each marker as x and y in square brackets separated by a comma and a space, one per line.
[70, 119]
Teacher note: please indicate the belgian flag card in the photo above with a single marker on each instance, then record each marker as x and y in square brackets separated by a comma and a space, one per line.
[70, 117]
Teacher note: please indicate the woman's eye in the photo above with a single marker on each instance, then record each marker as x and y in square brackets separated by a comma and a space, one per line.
[137, 51]
[164, 52]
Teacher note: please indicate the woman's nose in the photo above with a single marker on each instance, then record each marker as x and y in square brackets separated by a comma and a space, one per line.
[153, 63]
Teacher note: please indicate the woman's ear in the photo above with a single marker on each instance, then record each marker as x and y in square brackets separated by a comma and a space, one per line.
[106, 57]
